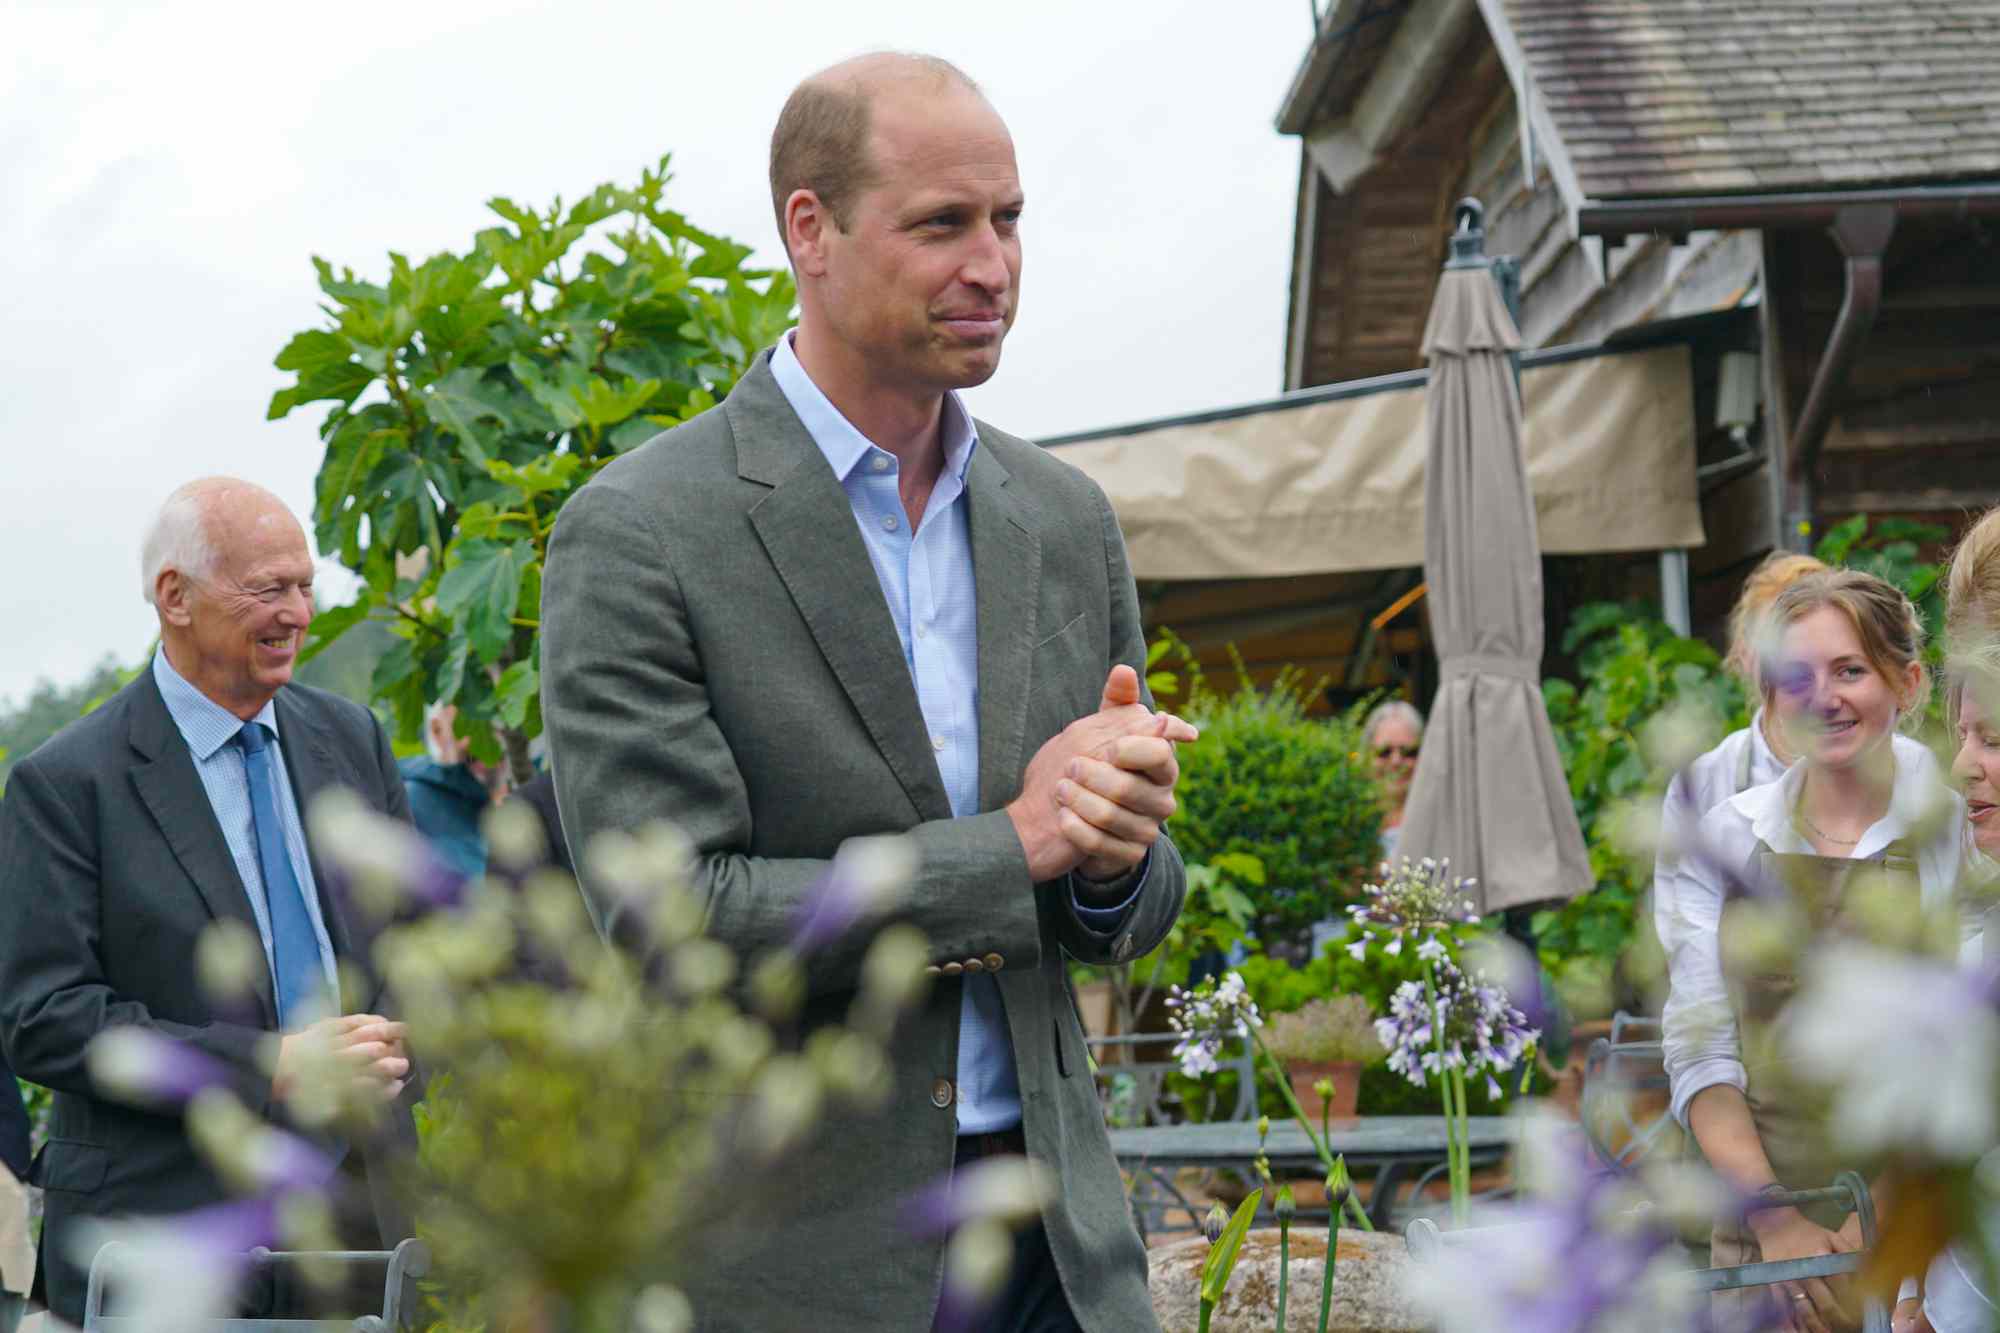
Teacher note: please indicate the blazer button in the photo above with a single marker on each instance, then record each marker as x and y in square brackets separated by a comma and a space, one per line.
[974, 965]
[941, 1092]
[934, 970]
[994, 962]
[952, 969]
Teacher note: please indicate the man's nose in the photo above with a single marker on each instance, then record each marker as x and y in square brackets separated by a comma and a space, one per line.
[986, 267]
[298, 608]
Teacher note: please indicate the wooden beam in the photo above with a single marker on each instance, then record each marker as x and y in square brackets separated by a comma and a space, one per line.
[1404, 83]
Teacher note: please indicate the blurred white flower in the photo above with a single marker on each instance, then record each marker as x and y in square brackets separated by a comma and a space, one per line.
[1910, 1047]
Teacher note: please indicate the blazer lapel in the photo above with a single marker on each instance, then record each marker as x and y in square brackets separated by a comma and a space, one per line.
[807, 527]
[310, 764]
[173, 794]
[1007, 567]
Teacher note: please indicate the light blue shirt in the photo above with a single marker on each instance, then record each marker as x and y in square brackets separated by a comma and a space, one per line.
[927, 579]
[209, 728]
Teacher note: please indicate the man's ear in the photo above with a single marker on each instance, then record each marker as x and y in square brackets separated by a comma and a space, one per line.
[807, 223]
[170, 598]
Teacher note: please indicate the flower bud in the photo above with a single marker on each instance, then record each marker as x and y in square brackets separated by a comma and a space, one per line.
[1286, 1208]
[1338, 1188]
[1212, 1225]
[1323, 1089]
[1263, 1127]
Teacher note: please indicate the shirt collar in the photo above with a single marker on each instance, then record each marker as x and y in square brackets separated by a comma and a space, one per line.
[1913, 800]
[843, 445]
[204, 724]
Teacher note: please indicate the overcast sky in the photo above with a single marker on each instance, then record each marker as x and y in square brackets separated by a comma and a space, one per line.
[168, 171]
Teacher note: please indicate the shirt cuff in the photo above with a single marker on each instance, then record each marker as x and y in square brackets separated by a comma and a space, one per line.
[1105, 921]
[1704, 1073]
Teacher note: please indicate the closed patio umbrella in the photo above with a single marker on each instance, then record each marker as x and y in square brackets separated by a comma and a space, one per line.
[1489, 790]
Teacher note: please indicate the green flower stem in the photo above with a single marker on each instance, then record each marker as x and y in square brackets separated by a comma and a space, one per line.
[1284, 1267]
[1455, 1129]
[1208, 1308]
[1319, 1143]
[1461, 1168]
[1326, 1276]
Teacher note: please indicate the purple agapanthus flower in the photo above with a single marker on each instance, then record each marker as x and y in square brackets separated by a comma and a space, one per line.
[1416, 898]
[1205, 1017]
[138, 1064]
[867, 878]
[1483, 1031]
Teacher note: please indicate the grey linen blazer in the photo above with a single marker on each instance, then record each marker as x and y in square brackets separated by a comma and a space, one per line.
[717, 652]
[112, 865]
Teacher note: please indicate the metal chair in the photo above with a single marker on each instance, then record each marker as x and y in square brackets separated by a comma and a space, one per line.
[1427, 1245]
[409, 1260]
[1134, 1092]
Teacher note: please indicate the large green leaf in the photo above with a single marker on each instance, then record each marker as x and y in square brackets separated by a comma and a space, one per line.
[483, 589]
[330, 624]
[515, 692]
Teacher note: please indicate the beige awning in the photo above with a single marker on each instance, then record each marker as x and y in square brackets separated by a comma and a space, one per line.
[1327, 484]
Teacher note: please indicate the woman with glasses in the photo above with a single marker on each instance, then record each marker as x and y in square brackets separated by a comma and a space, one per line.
[1392, 734]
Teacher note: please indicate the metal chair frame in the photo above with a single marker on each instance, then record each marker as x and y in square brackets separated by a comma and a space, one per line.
[410, 1259]
[1427, 1244]
[1629, 1060]
[1154, 1193]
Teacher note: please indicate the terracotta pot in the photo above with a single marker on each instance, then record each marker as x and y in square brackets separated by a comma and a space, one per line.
[1346, 1076]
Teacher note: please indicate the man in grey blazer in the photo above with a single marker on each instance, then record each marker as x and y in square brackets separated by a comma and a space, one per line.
[837, 606]
[173, 807]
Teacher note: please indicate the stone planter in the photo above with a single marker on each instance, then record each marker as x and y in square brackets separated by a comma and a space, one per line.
[1346, 1078]
[1368, 1285]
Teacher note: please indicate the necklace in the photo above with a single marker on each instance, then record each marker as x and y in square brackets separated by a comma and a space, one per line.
[1806, 819]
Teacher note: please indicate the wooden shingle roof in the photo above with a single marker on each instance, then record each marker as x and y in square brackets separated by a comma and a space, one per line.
[1699, 97]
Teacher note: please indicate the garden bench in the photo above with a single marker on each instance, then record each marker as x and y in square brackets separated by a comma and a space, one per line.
[1398, 1148]
[1134, 1094]
[409, 1260]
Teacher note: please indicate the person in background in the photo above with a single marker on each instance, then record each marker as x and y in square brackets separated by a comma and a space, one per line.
[539, 795]
[1840, 667]
[450, 791]
[1392, 734]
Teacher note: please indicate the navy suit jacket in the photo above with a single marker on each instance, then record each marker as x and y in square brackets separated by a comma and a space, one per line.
[112, 866]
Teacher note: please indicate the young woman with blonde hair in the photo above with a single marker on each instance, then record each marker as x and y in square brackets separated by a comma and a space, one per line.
[1840, 667]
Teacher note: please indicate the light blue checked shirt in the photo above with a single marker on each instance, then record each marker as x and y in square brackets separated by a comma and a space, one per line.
[208, 728]
[927, 579]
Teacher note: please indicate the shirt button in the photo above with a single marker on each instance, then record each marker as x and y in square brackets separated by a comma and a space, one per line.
[937, 743]
[879, 463]
[888, 522]
[922, 633]
[941, 1093]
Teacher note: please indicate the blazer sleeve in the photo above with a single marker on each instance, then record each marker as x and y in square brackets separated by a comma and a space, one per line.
[634, 739]
[53, 995]
[1158, 901]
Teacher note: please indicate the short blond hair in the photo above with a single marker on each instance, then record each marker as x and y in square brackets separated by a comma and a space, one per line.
[1776, 572]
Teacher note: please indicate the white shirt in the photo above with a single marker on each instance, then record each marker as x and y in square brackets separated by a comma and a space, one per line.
[1698, 1031]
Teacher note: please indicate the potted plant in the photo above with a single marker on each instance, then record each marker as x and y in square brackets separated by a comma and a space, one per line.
[1326, 1040]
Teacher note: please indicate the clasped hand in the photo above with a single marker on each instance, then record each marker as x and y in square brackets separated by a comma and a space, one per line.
[363, 1051]
[1096, 793]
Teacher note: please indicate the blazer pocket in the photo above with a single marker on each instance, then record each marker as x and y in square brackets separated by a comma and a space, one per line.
[73, 1165]
[1069, 626]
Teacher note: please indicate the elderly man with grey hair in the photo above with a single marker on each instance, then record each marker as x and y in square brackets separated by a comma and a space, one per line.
[1392, 733]
[175, 807]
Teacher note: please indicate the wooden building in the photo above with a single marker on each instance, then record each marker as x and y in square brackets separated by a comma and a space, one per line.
[1804, 196]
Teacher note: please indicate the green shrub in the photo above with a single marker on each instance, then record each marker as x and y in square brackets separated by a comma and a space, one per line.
[1291, 790]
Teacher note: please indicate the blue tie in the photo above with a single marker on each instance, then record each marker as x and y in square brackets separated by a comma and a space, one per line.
[295, 957]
